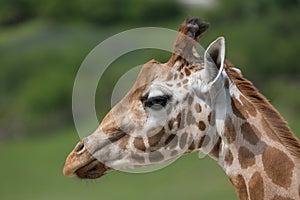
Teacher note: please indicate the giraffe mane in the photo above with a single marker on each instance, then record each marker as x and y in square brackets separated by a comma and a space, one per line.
[272, 116]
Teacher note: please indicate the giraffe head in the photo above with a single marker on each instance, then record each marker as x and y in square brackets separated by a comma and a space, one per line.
[169, 111]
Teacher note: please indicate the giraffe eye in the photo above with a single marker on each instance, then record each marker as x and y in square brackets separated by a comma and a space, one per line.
[156, 103]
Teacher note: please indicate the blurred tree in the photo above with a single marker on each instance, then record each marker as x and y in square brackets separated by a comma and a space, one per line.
[108, 12]
[15, 11]
[39, 59]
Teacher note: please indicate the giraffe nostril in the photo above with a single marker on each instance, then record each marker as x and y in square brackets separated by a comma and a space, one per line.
[80, 148]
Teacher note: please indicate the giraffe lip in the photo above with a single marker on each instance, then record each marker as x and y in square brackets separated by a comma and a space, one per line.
[92, 170]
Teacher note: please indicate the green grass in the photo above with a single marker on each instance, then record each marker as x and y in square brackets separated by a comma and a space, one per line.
[32, 169]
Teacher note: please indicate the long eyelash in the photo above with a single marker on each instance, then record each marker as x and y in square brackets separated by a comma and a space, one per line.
[159, 100]
[144, 97]
[163, 97]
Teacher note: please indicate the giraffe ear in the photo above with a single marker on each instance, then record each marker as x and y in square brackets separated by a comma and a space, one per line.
[214, 60]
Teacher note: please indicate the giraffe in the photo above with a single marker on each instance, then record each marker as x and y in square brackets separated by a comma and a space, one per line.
[192, 103]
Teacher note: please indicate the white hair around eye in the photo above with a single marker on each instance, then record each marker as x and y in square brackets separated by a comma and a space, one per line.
[158, 90]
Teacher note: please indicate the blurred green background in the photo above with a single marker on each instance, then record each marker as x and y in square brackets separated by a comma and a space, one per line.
[42, 44]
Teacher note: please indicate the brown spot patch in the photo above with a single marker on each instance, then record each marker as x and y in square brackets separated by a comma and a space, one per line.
[190, 100]
[123, 142]
[192, 146]
[169, 84]
[228, 158]
[281, 198]
[171, 123]
[182, 116]
[181, 75]
[178, 84]
[181, 66]
[278, 166]
[169, 77]
[178, 119]
[198, 108]
[183, 139]
[155, 156]
[201, 125]
[236, 107]
[299, 190]
[240, 186]
[155, 139]
[139, 144]
[212, 118]
[174, 153]
[173, 120]
[229, 130]
[256, 187]
[190, 118]
[138, 158]
[246, 157]
[175, 76]
[201, 141]
[249, 134]
[214, 153]
[169, 139]
[185, 81]
[187, 72]
[172, 141]
[206, 141]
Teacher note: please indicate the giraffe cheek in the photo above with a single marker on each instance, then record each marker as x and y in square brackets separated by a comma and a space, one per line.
[137, 117]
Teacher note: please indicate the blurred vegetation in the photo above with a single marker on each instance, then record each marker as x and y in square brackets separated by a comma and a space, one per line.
[104, 12]
[42, 44]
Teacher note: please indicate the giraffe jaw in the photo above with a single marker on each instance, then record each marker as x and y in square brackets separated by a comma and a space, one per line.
[92, 170]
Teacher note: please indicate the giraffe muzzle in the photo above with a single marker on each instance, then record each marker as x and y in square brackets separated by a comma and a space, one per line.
[81, 163]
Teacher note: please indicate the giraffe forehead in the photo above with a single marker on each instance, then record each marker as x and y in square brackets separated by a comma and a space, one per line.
[151, 72]
[161, 79]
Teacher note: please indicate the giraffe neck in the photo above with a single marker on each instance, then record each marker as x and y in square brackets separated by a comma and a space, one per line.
[253, 155]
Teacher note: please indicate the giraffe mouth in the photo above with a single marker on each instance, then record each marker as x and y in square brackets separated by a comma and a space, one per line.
[92, 170]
